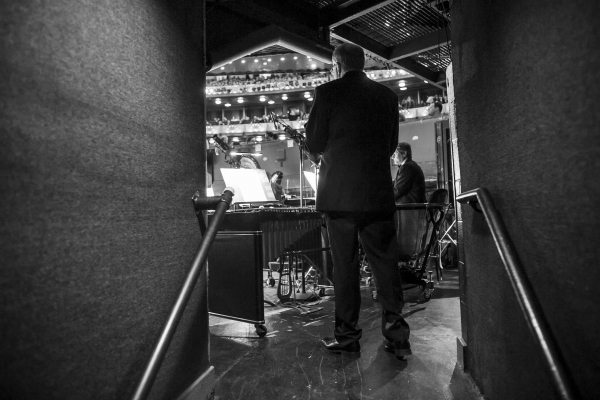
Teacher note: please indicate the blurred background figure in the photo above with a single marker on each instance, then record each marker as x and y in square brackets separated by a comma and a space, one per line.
[434, 109]
[276, 179]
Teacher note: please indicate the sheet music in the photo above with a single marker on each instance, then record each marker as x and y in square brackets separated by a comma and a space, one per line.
[250, 185]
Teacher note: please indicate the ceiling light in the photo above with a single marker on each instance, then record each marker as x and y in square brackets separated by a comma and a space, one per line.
[240, 100]
[243, 61]
[415, 137]
[217, 101]
[282, 58]
[403, 88]
[264, 63]
[282, 136]
[222, 67]
[310, 99]
[258, 138]
[235, 139]
[262, 98]
[227, 104]
[295, 58]
[313, 65]
[425, 81]
[271, 102]
[284, 97]
[256, 60]
[268, 59]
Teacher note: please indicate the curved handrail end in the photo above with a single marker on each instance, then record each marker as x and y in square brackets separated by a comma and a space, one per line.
[472, 197]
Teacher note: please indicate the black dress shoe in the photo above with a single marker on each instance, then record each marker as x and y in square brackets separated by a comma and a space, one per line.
[400, 349]
[332, 346]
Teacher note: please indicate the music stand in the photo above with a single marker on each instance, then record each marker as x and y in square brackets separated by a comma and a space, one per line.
[250, 185]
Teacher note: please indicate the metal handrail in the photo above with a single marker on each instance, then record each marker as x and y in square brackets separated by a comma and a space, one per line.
[220, 205]
[525, 295]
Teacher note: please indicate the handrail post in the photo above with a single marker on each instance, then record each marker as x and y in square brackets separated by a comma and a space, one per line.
[221, 205]
[526, 297]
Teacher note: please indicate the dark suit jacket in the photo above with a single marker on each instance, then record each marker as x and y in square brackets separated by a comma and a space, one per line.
[409, 186]
[354, 124]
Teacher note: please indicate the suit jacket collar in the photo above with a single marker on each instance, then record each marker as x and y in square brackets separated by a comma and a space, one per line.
[352, 74]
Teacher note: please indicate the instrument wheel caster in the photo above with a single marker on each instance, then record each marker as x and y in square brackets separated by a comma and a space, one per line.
[374, 295]
[272, 282]
[427, 294]
[261, 330]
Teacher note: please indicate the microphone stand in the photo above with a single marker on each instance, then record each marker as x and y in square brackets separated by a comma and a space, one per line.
[301, 142]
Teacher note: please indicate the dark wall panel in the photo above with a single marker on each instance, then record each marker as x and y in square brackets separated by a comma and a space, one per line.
[101, 149]
[525, 77]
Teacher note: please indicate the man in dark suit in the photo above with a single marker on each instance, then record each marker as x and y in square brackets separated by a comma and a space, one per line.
[409, 185]
[353, 128]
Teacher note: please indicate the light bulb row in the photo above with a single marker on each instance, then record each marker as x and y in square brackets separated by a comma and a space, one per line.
[218, 101]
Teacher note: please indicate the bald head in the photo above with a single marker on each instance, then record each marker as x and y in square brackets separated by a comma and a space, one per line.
[350, 57]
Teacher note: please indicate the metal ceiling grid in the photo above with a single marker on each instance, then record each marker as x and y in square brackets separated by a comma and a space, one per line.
[436, 59]
[399, 22]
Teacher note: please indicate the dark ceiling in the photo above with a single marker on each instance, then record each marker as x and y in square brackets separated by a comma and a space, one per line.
[413, 35]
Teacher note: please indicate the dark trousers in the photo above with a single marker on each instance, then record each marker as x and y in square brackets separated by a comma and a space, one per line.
[378, 237]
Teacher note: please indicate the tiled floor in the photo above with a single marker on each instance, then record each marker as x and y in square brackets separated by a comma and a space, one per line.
[288, 363]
